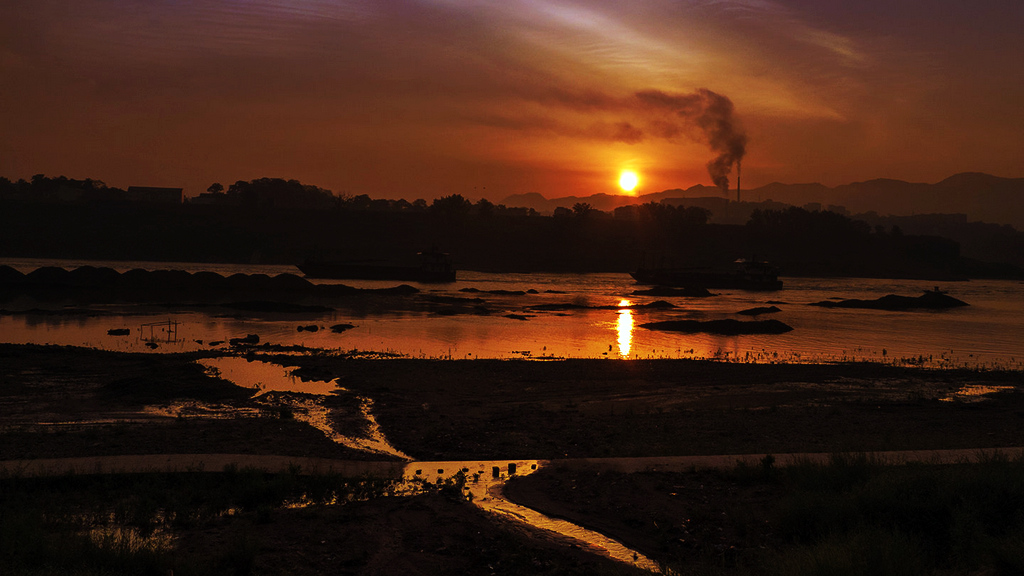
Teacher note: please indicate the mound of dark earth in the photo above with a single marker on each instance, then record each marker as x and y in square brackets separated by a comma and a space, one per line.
[728, 327]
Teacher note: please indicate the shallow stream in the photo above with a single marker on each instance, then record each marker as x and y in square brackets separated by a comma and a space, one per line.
[484, 479]
[485, 482]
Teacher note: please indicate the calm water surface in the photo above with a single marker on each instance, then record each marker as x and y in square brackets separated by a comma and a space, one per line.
[988, 333]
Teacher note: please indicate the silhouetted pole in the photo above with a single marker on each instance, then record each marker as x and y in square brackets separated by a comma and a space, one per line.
[737, 180]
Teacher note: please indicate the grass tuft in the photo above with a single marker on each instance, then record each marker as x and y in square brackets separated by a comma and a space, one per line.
[123, 523]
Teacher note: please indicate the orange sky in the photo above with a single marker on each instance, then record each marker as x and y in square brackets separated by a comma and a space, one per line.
[418, 99]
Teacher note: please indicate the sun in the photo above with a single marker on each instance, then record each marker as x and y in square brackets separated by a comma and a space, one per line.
[628, 180]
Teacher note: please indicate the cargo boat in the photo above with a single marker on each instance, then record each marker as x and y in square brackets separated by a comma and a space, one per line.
[742, 274]
[432, 267]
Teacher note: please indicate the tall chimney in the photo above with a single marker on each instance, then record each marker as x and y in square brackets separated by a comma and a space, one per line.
[737, 180]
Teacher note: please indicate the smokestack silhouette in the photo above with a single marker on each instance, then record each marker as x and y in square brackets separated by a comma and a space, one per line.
[731, 144]
[737, 180]
[712, 113]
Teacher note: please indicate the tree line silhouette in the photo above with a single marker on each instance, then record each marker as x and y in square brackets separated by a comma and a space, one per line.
[272, 220]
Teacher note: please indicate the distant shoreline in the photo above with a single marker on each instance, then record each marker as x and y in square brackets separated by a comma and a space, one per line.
[797, 241]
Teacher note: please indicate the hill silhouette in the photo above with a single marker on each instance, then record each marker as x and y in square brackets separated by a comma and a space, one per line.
[982, 197]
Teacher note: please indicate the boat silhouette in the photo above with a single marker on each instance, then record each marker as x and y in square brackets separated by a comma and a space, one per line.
[431, 266]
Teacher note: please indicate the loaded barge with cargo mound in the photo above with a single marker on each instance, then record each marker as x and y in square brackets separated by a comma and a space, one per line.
[431, 266]
[742, 274]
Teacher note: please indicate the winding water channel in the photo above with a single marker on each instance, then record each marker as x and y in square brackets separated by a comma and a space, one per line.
[485, 479]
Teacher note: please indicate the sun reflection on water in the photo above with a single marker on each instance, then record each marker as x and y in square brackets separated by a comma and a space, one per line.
[625, 328]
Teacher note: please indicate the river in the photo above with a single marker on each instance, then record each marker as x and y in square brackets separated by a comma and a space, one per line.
[987, 334]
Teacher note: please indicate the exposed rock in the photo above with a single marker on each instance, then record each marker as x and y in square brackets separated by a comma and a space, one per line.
[249, 339]
[559, 307]
[454, 300]
[930, 300]
[656, 304]
[497, 292]
[727, 327]
[400, 290]
[760, 310]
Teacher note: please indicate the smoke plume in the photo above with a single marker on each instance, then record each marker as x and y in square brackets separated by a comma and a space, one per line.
[712, 114]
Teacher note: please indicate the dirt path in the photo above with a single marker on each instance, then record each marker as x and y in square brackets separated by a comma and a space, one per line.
[355, 468]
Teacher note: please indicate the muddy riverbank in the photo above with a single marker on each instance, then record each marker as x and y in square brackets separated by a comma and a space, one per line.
[70, 402]
[479, 409]
[63, 402]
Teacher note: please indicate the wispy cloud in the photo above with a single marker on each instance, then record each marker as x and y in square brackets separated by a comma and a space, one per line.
[484, 81]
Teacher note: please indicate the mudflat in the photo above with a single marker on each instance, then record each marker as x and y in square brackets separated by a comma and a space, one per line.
[59, 401]
[69, 402]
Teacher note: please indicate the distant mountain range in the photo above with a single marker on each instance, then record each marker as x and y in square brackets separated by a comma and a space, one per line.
[982, 197]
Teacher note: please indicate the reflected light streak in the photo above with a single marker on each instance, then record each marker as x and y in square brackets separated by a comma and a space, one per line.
[974, 393]
[625, 328]
[263, 376]
[486, 481]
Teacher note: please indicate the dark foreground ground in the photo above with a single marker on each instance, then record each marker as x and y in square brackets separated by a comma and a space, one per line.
[60, 402]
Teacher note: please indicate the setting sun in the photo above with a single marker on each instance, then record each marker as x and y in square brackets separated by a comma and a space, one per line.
[628, 180]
